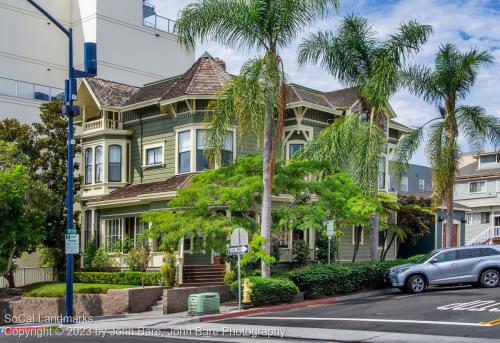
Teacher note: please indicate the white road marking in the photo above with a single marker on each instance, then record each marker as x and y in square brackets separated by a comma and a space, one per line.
[473, 306]
[373, 320]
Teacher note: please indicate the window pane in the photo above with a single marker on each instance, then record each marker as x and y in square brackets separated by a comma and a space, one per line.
[201, 139]
[154, 156]
[446, 256]
[98, 164]
[42, 93]
[115, 163]
[294, 148]
[88, 166]
[485, 217]
[228, 144]
[185, 162]
[25, 90]
[227, 158]
[184, 141]
[8, 87]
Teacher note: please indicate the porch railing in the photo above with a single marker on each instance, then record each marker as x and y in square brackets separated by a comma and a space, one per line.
[102, 123]
[485, 237]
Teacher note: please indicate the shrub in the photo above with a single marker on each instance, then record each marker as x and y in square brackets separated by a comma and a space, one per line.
[321, 279]
[269, 291]
[95, 258]
[300, 251]
[229, 277]
[167, 270]
[138, 258]
[120, 278]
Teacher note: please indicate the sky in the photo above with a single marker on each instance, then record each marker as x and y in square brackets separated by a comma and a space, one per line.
[466, 23]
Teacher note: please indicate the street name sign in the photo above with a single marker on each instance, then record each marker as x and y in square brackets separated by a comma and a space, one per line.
[238, 250]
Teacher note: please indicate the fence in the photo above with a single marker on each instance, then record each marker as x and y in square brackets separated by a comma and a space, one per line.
[28, 276]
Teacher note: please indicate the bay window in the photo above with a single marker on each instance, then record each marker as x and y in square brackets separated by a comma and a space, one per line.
[88, 166]
[98, 164]
[115, 163]
[184, 151]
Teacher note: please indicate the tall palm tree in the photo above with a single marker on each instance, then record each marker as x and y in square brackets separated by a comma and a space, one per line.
[446, 85]
[267, 26]
[357, 58]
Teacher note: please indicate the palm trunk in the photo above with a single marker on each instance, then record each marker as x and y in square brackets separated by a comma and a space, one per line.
[449, 219]
[266, 219]
[374, 225]
[393, 238]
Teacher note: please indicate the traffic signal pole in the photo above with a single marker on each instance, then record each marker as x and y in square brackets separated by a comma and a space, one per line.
[70, 111]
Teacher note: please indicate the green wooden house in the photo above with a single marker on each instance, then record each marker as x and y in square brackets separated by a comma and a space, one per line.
[140, 145]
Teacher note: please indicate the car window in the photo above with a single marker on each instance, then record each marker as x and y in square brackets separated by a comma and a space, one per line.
[469, 253]
[446, 256]
[489, 252]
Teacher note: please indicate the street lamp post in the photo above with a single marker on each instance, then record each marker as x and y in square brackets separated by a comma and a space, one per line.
[71, 111]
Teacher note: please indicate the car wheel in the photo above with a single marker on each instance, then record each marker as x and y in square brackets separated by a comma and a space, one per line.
[415, 284]
[490, 278]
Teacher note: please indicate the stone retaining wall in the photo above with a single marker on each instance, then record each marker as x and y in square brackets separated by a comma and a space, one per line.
[116, 301]
[176, 299]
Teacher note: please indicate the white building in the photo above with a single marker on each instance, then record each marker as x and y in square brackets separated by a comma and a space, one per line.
[477, 187]
[134, 46]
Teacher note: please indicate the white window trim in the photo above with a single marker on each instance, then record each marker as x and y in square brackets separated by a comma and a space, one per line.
[362, 241]
[193, 128]
[153, 145]
[481, 192]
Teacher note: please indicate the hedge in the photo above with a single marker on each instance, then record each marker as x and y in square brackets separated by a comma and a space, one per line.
[269, 291]
[321, 279]
[119, 278]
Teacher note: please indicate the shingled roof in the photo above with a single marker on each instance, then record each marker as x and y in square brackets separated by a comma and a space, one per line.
[206, 77]
[471, 171]
[171, 184]
[110, 93]
[343, 98]
[296, 93]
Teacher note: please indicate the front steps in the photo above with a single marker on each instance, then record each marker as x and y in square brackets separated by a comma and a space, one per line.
[203, 275]
[158, 307]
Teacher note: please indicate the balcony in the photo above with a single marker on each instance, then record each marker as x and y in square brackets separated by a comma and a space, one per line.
[28, 90]
[155, 21]
[107, 120]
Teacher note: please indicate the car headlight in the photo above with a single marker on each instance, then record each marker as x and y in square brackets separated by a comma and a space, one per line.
[402, 270]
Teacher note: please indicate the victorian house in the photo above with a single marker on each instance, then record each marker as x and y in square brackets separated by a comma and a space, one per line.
[142, 144]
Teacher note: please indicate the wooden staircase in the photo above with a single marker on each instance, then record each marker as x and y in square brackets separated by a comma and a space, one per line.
[202, 275]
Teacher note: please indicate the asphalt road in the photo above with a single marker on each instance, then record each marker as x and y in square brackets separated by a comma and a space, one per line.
[458, 311]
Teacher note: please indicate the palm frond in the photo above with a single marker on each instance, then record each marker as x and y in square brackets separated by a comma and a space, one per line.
[421, 81]
[478, 127]
[406, 148]
[408, 40]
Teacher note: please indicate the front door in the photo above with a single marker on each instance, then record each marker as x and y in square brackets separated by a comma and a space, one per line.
[454, 236]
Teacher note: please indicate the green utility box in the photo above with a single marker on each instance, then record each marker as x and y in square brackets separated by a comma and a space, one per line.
[203, 303]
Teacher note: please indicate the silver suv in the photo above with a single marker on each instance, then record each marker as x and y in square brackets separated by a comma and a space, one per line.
[474, 265]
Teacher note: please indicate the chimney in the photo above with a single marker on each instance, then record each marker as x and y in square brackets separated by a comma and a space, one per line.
[221, 63]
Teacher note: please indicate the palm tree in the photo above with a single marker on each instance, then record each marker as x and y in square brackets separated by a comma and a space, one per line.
[357, 58]
[446, 85]
[267, 26]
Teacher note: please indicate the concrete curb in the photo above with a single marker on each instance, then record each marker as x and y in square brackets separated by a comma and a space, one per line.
[283, 307]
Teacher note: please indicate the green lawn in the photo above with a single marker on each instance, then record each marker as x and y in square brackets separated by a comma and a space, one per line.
[58, 289]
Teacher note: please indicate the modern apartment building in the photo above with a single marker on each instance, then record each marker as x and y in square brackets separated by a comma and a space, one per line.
[417, 180]
[142, 144]
[134, 46]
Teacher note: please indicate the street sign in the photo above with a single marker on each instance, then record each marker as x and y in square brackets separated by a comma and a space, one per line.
[330, 230]
[239, 236]
[72, 244]
[237, 250]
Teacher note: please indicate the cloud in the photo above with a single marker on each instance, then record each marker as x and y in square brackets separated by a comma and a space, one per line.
[466, 23]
